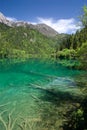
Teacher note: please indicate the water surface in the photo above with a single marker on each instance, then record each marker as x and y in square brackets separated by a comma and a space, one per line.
[34, 93]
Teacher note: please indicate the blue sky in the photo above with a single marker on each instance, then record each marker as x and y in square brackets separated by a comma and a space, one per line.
[59, 14]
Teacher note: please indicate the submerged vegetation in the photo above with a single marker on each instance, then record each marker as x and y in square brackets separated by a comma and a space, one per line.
[40, 94]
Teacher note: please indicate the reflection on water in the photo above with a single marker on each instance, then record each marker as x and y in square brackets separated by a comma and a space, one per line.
[34, 94]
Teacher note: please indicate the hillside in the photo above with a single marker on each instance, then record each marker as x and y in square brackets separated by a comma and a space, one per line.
[23, 42]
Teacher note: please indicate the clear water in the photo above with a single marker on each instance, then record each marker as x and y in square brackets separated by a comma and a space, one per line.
[33, 94]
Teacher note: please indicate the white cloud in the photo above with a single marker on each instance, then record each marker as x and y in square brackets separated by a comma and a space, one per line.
[11, 19]
[61, 25]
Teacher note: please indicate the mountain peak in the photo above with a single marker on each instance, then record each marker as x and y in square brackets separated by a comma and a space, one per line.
[1, 15]
[2, 18]
[46, 30]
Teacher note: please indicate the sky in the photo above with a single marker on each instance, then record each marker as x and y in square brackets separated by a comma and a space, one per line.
[61, 15]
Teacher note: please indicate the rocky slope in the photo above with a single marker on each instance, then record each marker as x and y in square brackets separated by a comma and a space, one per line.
[42, 28]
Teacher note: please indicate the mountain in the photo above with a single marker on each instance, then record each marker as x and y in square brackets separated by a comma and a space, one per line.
[20, 39]
[46, 30]
[42, 28]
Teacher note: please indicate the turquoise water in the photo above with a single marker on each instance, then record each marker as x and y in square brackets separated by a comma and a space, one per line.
[31, 92]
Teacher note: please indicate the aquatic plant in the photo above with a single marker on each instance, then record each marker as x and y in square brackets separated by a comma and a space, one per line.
[9, 125]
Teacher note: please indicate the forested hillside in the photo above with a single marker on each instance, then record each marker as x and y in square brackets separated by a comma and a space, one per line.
[23, 42]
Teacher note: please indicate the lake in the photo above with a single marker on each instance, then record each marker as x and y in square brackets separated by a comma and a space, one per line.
[35, 93]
